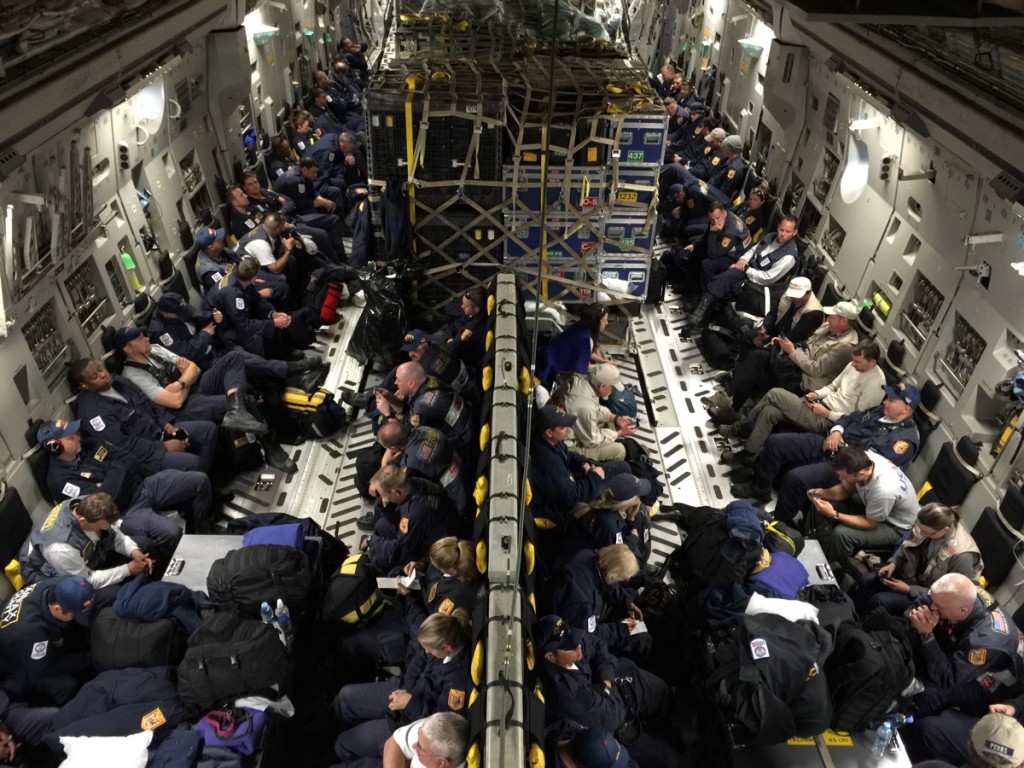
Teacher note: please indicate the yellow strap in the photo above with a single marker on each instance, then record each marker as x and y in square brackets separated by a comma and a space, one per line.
[924, 490]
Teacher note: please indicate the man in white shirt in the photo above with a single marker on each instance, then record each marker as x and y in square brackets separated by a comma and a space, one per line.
[889, 499]
[858, 387]
[438, 741]
[597, 429]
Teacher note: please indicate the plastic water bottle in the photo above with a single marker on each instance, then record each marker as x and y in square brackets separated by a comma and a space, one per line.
[266, 613]
[882, 738]
[284, 622]
[898, 720]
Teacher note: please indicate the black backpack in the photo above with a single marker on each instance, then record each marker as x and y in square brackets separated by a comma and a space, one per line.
[699, 562]
[118, 643]
[767, 676]
[248, 576]
[230, 656]
[315, 414]
[871, 665]
[352, 595]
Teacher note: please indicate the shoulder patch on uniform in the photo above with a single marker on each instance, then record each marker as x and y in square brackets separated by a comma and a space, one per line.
[101, 453]
[725, 241]
[166, 339]
[403, 525]
[698, 130]
[446, 606]
[977, 656]
[96, 422]
[39, 650]
[731, 174]
[414, 419]
[425, 452]
[153, 720]
[428, 397]
[750, 219]
[999, 622]
[900, 447]
[456, 699]
[71, 490]
[433, 592]
[716, 160]
[466, 333]
[239, 302]
[592, 624]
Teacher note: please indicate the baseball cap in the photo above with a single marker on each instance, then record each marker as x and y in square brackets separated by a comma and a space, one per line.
[596, 748]
[733, 143]
[998, 740]
[477, 295]
[697, 106]
[74, 595]
[56, 429]
[715, 133]
[170, 302]
[798, 286]
[675, 189]
[910, 395]
[205, 238]
[549, 417]
[414, 338]
[129, 333]
[606, 373]
[625, 486]
[554, 634]
[845, 309]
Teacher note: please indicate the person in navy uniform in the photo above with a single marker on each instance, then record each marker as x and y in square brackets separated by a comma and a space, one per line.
[684, 212]
[969, 657]
[281, 158]
[727, 181]
[183, 329]
[446, 581]
[664, 85]
[250, 321]
[715, 248]
[692, 144]
[436, 680]
[752, 211]
[353, 166]
[114, 410]
[213, 260]
[310, 206]
[324, 120]
[424, 452]
[615, 517]
[589, 589]
[439, 362]
[420, 400]
[464, 334]
[79, 470]
[887, 429]
[34, 666]
[559, 478]
[412, 515]
[582, 683]
[712, 157]
[677, 119]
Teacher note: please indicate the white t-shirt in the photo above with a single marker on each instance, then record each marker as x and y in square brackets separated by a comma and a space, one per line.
[405, 737]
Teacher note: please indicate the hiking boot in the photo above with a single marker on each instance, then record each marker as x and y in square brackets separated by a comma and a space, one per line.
[740, 458]
[718, 400]
[724, 415]
[729, 430]
[365, 522]
[750, 491]
[238, 419]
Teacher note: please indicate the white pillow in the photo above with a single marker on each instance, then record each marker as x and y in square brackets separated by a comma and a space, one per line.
[111, 751]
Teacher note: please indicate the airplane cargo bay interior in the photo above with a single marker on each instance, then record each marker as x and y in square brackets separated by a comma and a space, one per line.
[512, 382]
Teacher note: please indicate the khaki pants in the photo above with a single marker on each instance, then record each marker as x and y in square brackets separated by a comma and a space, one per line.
[779, 406]
[614, 451]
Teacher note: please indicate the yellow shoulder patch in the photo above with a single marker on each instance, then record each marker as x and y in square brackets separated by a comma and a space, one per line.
[456, 699]
[716, 160]
[403, 525]
[731, 173]
[153, 720]
[446, 606]
[977, 656]
[433, 592]
[901, 447]
[725, 241]
[466, 334]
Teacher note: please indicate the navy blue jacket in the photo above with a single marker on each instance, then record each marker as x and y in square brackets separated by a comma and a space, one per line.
[439, 593]
[579, 694]
[728, 178]
[136, 426]
[146, 600]
[301, 192]
[436, 686]
[246, 313]
[731, 240]
[580, 595]
[558, 481]
[866, 430]
[97, 468]
[416, 523]
[175, 334]
[30, 637]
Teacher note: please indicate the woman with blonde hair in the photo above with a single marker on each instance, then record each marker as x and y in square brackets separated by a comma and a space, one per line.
[436, 680]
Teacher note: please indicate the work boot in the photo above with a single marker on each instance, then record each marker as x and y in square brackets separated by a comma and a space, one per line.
[724, 415]
[365, 522]
[718, 400]
[275, 456]
[309, 381]
[740, 458]
[305, 363]
[696, 319]
[238, 419]
[750, 490]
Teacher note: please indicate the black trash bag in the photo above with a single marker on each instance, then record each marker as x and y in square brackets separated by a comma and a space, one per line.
[381, 326]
